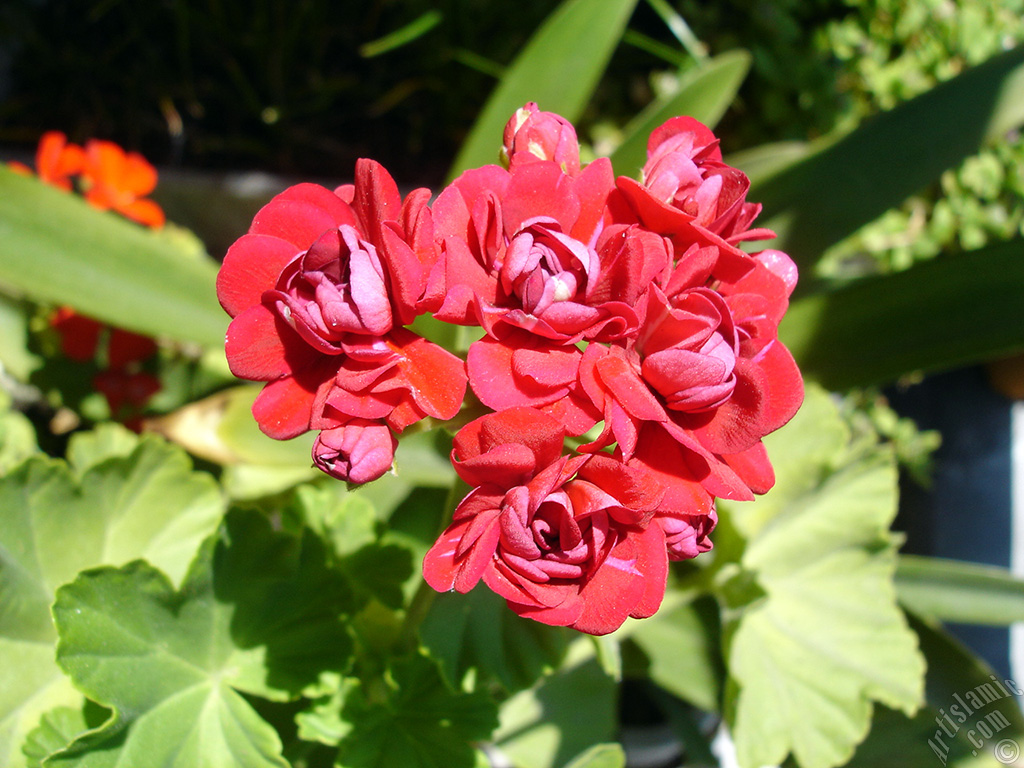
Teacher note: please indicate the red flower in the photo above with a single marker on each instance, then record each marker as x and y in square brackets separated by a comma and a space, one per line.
[319, 290]
[120, 181]
[706, 369]
[568, 541]
[57, 161]
[529, 249]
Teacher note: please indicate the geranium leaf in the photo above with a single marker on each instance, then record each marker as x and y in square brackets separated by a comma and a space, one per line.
[171, 664]
[704, 93]
[56, 248]
[575, 41]
[478, 631]
[564, 714]
[600, 756]
[55, 521]
[963, 693]
[421, 723]
[846, 183]
[682, 648]
[807, 661]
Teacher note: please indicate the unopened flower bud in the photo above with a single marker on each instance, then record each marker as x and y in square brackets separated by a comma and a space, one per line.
[358, 452]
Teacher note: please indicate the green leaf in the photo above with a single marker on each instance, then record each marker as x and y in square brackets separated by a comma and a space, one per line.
[939, 314]
[478, 631]
[55, 522]
[55, 248]
[415, 721]
[952, 590]
[17, 435]
[682, 649]
[965, 698]
[15, 357]
[849, 182]
[564, 714]
[558, 68]
[58, 727]
[171, 664]
[600, 756]
[402, 36]
[806, 662]
[704, 93]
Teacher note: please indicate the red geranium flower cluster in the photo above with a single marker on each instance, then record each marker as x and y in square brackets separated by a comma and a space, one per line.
[613, 307]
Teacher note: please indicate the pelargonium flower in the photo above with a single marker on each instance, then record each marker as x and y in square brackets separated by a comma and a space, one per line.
[320, 289]
[707, 369]
[566, 540]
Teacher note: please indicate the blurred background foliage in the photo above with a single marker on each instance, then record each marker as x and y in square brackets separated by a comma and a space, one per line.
[305, 88]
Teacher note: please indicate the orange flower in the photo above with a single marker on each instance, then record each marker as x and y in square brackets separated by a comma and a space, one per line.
[56, 160]
[119, 180]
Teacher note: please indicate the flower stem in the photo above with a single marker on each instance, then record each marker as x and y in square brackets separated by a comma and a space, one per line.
[425, 595]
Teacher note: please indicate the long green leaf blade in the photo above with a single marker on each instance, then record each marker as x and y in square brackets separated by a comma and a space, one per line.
[848, 183]
[950, 590]
[937, 315]
[558, 68]
[705, 94]
[55, 248]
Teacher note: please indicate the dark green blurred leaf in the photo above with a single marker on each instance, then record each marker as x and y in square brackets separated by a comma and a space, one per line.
[600, 756]
[939, 314]
[704, 93]
[414, 29]
[950, 590]
[558, 68]
[478, 631]
[850, 182]
[56, 248]
[415, 722]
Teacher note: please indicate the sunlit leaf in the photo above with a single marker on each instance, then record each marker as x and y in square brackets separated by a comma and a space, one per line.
[600, 756]
[171, 664]
[807, 661]
[55, 248]
[56, 520]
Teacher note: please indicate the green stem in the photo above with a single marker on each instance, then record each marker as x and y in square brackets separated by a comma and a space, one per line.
[425, 595]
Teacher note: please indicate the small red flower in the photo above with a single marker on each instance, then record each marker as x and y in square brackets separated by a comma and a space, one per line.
[531, 135]
[358, 452]
[57, 160]
[320, 290]
[116, 180]
[577, 541]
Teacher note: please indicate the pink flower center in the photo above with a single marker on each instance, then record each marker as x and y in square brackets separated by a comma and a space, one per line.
[543, 266]
[335, 288]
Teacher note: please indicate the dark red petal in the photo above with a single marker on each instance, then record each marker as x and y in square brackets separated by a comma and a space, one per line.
[301, 214]
[436, 378]
[376, 198]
